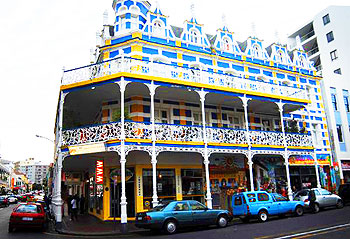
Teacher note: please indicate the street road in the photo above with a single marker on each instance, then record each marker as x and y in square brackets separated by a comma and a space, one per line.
[330, 223]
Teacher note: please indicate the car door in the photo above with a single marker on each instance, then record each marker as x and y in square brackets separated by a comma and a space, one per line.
[283, 204]
[182, 213]
[327, 197]
[266, 201]
[200, 213]
[238, 207]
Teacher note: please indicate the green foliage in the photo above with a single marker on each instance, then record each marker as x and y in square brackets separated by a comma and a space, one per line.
[116, 115]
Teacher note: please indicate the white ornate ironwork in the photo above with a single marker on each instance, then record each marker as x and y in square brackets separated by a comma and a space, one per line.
[301, 140]
[266, 138]
[178, 133]
[91, 134]
[179, 73]
[227, 151]
[225, 135]
[136, 130]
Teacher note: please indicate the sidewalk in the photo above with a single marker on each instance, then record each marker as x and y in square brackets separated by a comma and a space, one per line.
[88, 225]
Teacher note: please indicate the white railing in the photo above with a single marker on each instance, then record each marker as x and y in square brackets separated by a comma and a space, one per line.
[178, 73]
[179, 133]
[225, 135]
[92, 134]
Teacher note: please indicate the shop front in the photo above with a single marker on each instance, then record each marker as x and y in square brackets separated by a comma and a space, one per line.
[270, 174]
[345, 165]
[228, 175]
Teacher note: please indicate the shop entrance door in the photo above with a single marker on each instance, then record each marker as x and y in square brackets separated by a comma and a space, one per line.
[116, 192]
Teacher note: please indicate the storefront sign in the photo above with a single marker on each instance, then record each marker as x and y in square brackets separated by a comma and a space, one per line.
[301, 160]
[323, 159]
[345, 165]
[99, 172]
[87, 149]
[115, 175]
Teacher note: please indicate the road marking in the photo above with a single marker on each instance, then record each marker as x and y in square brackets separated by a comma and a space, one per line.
[314, 231]
[88, 236]
[321, 233]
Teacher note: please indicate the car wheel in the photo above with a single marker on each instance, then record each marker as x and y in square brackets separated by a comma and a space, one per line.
[316, 208]
[11, 228]
[170, 227]
[340, 204]
[299, 211]
[263, 216]
[222, 221]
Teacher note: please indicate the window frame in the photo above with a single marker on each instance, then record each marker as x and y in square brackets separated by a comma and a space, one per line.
[330, 36]
[326, 19]
[340, 133]
[337, 71]
[334, 54]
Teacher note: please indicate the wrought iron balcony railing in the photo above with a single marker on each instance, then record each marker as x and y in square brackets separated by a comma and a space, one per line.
[180, 133]
[183, 74]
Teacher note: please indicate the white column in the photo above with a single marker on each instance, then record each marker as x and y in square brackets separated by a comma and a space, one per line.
[57, 199]
[123, 203]
[206, 161]
[314, 153]
[250, 157]
[286, 158]
[152, 89]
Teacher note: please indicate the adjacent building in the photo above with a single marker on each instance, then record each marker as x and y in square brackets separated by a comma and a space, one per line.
[325, 38]
[34, 171]
[171, 113]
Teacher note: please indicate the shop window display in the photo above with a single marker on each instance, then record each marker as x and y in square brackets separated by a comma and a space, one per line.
[227, 177]
[192, 184]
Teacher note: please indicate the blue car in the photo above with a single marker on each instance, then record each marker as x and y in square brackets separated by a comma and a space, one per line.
[173, 215]
[262, 205]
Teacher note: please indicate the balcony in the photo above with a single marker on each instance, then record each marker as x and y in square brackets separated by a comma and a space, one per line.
[312, 51]
[184, 75]
[179, 134]
[307, 36]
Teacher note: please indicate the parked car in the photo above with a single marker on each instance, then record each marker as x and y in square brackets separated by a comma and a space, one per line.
[262, 205]
[173, 215]
[324, 198]
[28, 215]
[12, 199]
[4, 202]
[344, 192]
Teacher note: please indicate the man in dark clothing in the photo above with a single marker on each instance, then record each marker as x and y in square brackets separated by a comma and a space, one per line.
[82, 204]
[312, 199]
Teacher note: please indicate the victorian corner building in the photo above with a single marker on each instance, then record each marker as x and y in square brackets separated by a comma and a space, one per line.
[171, 113]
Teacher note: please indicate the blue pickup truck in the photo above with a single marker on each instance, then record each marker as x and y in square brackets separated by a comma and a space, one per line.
[261, 205]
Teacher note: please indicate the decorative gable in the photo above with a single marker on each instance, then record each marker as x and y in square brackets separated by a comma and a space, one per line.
[225, 42]
[279, 54]
[300, 59]
[255, 49]
[193, 34]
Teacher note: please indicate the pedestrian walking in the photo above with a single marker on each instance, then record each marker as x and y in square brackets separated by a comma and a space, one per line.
[74, 210]
[312, 199]
[69, 204]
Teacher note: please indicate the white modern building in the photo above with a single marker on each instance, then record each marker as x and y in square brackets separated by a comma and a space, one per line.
[325, 38]
[35, 171]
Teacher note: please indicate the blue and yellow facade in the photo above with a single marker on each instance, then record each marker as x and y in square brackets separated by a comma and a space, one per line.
[194, 115]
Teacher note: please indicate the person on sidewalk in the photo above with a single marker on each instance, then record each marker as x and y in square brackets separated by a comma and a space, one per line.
[82, 204]
[74, 210]
[312, 199]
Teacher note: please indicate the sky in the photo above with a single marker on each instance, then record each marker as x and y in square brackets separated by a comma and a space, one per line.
[41, 37]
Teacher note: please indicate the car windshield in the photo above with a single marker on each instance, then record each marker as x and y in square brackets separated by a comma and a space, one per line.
[28, 209]
[159, 208]
[302, 193]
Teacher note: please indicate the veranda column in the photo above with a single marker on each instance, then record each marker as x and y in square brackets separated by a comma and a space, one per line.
[286, 158]
[123, 203]
[206, 161]
[57, 199]
[314, 152]
[250, 157]
[152, 90]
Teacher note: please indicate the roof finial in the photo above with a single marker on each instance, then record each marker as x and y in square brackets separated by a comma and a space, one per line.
[192, 10]
[277, 36]
[105, 17]
[253, 29]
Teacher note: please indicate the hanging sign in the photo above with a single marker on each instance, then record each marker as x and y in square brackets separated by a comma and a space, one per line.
[99, 172]
[115, 175]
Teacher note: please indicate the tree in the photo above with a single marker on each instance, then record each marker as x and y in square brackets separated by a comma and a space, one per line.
[37, 187]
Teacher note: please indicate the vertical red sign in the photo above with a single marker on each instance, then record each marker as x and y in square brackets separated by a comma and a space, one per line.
[99, 172]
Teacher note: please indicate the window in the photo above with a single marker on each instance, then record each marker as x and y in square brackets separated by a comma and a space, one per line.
[330, 36]
[192, 182]
[263, 197]
[325, 192]
[334, 55]
[194, 36]
[181, 206]
[337, 71]
[256, 51]
[165, 182]
[226, 44]
[334, 98]
[238, 201]
[280, 56]
[340, 133]
[280, 198]
[158, 28]
[197, 206]
[346, 100]
[326, 19]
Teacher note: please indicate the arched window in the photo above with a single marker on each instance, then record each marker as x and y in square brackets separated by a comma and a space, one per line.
[122, 9]
[280, 56]
[226, 44]
[158, 29]
[303, 62]
[194, 36]
[256, 51]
